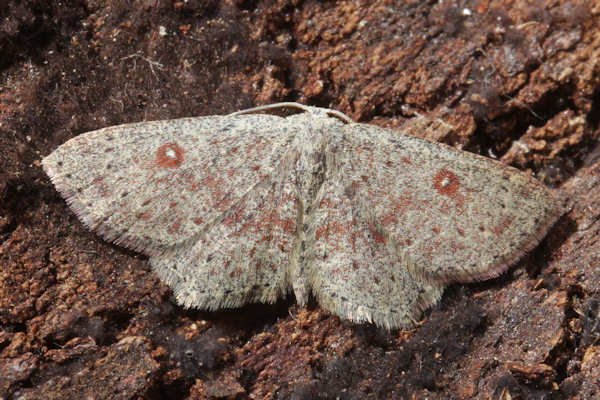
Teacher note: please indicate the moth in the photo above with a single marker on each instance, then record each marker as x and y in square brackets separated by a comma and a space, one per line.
[252, 206]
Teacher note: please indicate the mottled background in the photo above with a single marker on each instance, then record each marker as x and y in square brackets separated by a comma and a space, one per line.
[515, 80]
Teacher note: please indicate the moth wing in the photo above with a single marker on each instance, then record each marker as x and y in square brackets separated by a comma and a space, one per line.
[151, 186]
[354, 269]
[455, 215]
[244, 257]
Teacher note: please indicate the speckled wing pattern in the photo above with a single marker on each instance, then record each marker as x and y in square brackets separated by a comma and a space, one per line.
[244, 257]
[355, 269]
[206, 198]
[151, 186]
[453, 215]
[250, 206]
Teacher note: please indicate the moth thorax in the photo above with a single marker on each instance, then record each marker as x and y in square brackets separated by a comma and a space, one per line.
[310, 173]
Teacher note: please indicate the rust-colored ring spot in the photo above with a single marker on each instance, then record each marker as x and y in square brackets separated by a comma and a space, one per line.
[169, 155]
[446, 183]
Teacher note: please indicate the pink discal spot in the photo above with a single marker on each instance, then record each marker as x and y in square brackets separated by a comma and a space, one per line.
[169, 155]
[436, 230]
[198, 221]
[446, 183]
